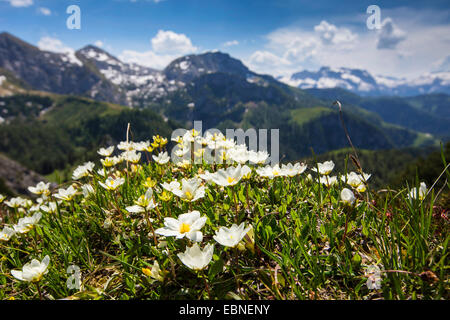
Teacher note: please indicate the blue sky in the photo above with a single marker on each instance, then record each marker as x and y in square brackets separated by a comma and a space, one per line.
[272, 36]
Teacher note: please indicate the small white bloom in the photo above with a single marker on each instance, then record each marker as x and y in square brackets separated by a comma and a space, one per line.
[106, 152]
[112, 184]
[6, 233]
[174, 185]
[373, 274]
[126, 146]
[290, 170]
[259, 157]
[230, 237]
[32, 271]
[328, 181]
[347, 196]
[17, 202]
[26, 224]
[83, 170]
[422, 192]
[144, 203]
[41, 188]
[191, 190]
[51, 207]
[66, 194]
[187, 225]
[161, 158]
[131, 156]
[195, 258]
[229, 177]
[155, 272]
[87, 190]
[270, 172]
[324, 168]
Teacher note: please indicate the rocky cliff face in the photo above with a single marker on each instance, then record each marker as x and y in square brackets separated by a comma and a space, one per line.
[62, 73]
[15, 179]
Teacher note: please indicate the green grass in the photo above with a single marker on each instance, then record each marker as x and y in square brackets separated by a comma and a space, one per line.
[306, 242]
[304, 115]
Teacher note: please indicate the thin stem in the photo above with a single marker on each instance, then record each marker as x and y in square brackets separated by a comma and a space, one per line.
[39, 290]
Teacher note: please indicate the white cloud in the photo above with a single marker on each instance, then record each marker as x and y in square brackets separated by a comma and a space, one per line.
[149, 58]
[56, 45]
[169, 42]
[44, 11]
[390, 35]
[422, 49]
[21, 3]
[330, 34]
[166, 47]
[230, 43]
[99, 43]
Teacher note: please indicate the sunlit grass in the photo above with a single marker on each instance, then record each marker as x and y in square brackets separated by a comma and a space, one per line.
[302, 239]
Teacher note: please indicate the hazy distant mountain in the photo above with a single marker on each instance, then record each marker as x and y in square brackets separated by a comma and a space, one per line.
[363, 83]
[212, 87]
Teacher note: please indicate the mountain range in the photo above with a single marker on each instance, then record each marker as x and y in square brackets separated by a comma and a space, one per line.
[74, 102]
[363, 83]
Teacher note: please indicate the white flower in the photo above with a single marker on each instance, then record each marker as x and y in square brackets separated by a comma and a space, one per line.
[347, 196]
[131, 156]
[26, 224]
[66, 194]
[230, 237]
[111, 161]
[187, 225]
[259, 157]
[174, 185]
[191, 190]
[87, 189]
[269, 172]
[17, 202]
[106, 152]
[238, 154]
[422, 192]
[161, 158]
[6, 233]
[206, 176]
[328, 181]
[155, 272]
[124, 145]
[141, 146]
[228, 177]
[356, 180]
[2, 197]
[112, 184]
[83, 170]
[50, 208]
[32, 271]
[41, 188]
[292, 170]
[324, 168]
[144, 203]
[195, 258]
[373, 274]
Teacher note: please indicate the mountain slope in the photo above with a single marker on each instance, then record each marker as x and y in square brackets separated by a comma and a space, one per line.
[363, 83]
[61, 73]
[425, 113]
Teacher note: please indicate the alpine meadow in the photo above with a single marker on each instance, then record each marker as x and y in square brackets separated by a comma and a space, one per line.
[224, 150]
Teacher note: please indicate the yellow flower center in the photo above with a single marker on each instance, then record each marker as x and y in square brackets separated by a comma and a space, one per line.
[276, 173]
[188, 195]
[231, 180]
[147, 271]
[184, 228]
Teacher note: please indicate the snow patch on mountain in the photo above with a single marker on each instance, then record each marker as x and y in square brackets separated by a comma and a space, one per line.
[363, 83]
